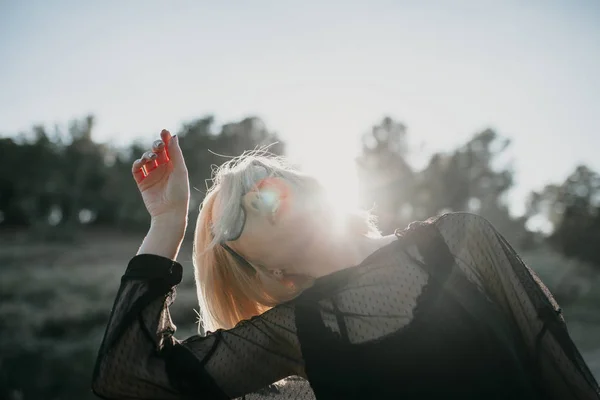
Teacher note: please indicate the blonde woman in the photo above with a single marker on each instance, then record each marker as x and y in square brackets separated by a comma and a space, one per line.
[291, 287]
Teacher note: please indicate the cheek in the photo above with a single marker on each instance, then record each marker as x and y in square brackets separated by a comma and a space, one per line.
[294, 229]
[251, 248]
[260, 237]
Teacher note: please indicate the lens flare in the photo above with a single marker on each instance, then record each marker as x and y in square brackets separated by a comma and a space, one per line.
[270, 198]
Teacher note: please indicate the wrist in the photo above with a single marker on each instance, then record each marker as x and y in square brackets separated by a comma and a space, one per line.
[164, 237]
[174, 221]
[161, 242]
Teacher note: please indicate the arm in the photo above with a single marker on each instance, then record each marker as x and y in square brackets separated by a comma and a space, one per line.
[165, 236]
[489, 260]
[140, 358]
[129, 362]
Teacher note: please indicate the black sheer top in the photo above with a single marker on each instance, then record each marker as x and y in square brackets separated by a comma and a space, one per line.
[446, 311]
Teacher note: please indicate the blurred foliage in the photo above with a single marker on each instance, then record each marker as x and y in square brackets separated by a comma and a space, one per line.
[65, 180]
[573, 208]
[56, 285]
[465, 179]
[53, 184]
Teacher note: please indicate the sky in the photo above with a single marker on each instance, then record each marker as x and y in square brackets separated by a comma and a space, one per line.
[318, 74]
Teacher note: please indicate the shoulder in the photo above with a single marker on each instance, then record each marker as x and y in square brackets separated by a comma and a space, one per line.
[457, 232]
[451, 220]
[450, 227]
[460, 218]
[463, 223]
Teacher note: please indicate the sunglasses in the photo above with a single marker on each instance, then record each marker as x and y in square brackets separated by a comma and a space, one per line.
[243, 262]
[269, 196]
[234, 234]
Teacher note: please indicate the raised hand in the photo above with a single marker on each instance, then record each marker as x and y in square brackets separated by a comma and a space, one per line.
[162, 178]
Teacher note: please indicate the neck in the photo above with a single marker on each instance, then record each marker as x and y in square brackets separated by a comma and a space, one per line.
[325, 255]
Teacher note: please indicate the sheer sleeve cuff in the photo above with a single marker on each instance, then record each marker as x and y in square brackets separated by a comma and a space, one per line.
[154, 268]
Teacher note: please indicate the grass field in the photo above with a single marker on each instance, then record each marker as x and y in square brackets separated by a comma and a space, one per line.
[55, 300]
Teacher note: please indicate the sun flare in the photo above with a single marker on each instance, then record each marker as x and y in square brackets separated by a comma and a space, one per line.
[340, 183]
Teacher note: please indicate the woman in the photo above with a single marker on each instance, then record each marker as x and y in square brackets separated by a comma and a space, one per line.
[290, 287]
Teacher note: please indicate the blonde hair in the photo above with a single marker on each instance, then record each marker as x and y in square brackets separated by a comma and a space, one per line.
[229, 292]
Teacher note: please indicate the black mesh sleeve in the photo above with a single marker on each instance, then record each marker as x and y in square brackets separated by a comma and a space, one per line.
[487, 258]
[140, 359]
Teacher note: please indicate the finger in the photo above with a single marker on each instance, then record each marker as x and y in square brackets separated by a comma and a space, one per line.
[149, 159]
[157, 146]
[137, 164]
[165, 135]
[137, 170]
[160, 149]
[147, 156]
[150, 166]
[174, 153]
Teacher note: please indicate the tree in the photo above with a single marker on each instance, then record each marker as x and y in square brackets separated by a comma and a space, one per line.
[59, 182]
[470, 179]
[27, 170]
[573, 210]
[386, 179]
[466, 179]
[205, 149]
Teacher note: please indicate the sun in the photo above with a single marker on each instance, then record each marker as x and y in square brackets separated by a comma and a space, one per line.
[332, 161]
[340, 182]
[342, 189]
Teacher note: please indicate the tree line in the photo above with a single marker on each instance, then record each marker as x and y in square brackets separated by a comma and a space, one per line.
[55, 182]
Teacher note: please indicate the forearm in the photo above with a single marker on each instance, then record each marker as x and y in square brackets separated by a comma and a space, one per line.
[164, 237]
[138, 326]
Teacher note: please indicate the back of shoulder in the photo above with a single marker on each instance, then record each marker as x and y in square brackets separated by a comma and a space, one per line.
[463, 224]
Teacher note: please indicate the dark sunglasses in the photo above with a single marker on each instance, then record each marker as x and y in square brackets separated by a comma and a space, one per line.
[233, 234]
[238, 258]
[236, 230]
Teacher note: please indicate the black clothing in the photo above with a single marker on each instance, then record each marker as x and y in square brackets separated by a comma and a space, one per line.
[446, 311]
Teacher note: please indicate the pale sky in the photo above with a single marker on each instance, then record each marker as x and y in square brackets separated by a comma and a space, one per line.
[320, 75]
